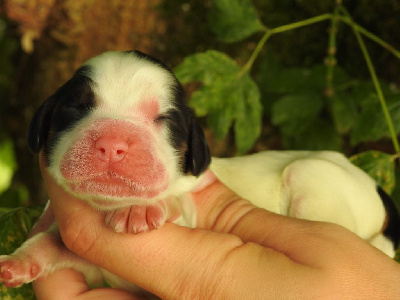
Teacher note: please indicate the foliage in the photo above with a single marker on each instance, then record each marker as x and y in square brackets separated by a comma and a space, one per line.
[233, 21]
[7, 159]
[7, 162]
[378, 165]
[314, 108]
[227, 95]
[16, 223]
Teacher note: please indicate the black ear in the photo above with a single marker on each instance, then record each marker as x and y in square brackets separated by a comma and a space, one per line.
[40, 125]
[198, 155]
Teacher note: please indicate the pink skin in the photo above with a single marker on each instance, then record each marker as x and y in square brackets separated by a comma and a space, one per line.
[38, 257]
[116, 159]
[135, 219]
[15, 272]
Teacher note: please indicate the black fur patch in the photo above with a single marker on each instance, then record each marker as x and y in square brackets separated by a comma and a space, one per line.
[392, 229]
[183, 128]
[69, 104]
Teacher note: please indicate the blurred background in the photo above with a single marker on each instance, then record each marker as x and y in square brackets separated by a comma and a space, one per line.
[42, 42]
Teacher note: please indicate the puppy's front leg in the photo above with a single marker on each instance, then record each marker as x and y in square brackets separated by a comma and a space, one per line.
[41, 255]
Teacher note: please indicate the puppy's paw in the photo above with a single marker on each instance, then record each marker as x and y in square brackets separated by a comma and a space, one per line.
[135, 219]
[15, 271]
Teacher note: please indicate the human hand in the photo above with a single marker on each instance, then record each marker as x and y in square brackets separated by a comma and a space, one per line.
[238, 251]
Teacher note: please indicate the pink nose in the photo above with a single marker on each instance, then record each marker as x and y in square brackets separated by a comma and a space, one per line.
[111, 149]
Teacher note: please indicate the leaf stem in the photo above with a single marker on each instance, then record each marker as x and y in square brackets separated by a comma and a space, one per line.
[375, 80]
[371, 36]
[279, 29]
[358, 30]
[330, 59]
[255, 53]
[302, 23]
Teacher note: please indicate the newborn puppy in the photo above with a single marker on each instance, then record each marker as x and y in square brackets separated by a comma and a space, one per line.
[119, 136]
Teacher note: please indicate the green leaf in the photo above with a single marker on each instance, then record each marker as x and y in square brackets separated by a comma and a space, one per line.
[8, 163]
[227, 96]
[269, 68]
[294, 112]
[364, 92]
[206, 67]
[379, 166]
[318, 135]
[318, 75]
[343, 111]
[371, 124]
[234, 20]
[24, 292]
[248, 115]
[15, 225]
[289, 81]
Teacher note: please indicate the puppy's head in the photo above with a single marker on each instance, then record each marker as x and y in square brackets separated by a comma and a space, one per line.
[119, 132]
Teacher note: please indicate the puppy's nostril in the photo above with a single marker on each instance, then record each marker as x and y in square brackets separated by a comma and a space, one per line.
[111, 149]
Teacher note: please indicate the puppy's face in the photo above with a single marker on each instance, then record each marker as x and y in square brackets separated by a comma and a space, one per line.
[119, 133]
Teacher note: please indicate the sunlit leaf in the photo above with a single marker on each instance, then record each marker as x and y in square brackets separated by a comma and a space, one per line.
[234, 20]
[378, 165]
[7, 163]
[227, 96]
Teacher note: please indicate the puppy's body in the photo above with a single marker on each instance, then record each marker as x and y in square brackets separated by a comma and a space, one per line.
[119, 136]
[318, 186]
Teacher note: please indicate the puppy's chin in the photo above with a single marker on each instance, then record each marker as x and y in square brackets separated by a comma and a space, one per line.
[109, 192]
[112, 187]
[109, 205]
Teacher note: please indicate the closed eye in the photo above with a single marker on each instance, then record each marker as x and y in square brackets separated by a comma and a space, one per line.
[78, 107]
[161, 118]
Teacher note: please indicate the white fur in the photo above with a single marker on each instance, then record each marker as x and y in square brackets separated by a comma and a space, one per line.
[124, 81]
[120, 84]
[318, 186]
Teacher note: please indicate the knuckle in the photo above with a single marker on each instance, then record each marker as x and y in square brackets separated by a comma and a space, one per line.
[78, 238]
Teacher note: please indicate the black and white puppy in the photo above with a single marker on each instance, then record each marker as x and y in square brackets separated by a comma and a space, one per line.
[119, 135]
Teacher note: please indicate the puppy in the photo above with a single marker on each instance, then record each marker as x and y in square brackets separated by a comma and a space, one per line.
[119, 136]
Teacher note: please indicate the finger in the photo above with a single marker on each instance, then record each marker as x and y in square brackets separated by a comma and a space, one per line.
[221, 210]
[68, 284]
[177, 262]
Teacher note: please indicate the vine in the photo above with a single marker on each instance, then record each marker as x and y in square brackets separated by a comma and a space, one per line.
[229, 97]
[295, 99]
